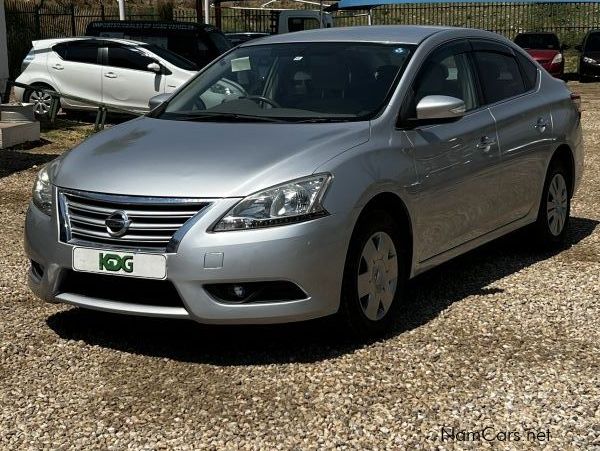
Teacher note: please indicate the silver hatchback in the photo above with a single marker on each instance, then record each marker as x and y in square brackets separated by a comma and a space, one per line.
[335, 165]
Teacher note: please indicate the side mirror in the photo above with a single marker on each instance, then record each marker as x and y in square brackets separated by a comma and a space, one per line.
[154, 67]
[579, 47]
[158, 100]
[440, 107]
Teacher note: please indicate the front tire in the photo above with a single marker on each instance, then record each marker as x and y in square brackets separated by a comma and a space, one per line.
[374, 275]
[42, 102]
[555, 207]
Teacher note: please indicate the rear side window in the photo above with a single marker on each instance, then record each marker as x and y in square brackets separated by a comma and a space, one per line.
[500, 76]
[529, 70]
[128, 58]
[78, 52]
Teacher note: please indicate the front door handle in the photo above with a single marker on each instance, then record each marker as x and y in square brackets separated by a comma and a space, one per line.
[58, 66]
[486, 143]
[541, 125]
[110, 75]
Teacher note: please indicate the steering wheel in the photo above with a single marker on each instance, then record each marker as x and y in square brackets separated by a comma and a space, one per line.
[199, 104]
[264, 99]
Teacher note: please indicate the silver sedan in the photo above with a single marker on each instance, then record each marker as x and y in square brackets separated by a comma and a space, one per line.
[344, 162]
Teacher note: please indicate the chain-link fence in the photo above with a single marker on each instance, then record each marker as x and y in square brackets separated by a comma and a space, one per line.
[27, 21]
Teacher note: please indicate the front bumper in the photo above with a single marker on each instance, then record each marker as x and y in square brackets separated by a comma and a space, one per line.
[309, 254]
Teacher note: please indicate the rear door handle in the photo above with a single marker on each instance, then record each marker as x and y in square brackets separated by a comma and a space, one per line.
[58, 66]
[485, 143]
[110, 75]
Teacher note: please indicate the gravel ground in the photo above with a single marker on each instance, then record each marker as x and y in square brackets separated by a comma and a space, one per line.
[504, 337]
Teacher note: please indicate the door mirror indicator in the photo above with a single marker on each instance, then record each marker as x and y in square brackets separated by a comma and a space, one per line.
[440, 107]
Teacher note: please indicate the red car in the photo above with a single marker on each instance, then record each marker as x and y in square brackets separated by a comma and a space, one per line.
[545, 48]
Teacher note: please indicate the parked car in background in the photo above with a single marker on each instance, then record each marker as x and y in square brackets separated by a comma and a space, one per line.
[545, 48]
[117, 72]
[241, 37]
[367, 156]
[589, 59]
[199, 43]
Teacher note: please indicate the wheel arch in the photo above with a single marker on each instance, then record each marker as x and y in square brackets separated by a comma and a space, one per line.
[391, 203]
[564, 155]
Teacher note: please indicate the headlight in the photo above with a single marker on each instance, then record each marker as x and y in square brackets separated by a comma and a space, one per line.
[295, 201]
[588, 60]
[42, 191]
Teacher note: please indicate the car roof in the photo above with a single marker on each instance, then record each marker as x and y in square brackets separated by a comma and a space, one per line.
[51, 42]
[401, 34]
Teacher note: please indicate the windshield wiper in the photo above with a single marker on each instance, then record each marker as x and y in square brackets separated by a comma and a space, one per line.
[319, 120]
[214, 115]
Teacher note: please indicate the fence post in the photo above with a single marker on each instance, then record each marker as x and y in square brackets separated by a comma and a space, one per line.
[36, 19]
[73, 26]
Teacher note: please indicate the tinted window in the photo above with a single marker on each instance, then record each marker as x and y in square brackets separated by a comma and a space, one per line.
[537, 41]
[171, 57]
[448, 74]
[500, 76]
[128, 58]
[302, 23]
[529, 70]
[79, 52]
[593, 42]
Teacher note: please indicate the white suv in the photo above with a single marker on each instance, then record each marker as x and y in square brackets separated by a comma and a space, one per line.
[116, 72]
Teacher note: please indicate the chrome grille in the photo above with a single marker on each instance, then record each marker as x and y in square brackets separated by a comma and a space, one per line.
[156, 222]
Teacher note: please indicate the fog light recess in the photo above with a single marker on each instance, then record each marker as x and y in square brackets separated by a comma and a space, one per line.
[254, 292]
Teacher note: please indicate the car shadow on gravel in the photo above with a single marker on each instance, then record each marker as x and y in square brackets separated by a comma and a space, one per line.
[12, 161]
[428, 295]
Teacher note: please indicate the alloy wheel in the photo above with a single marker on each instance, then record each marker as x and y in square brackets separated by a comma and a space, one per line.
[42, 102]
[377, 276]
[557, 204]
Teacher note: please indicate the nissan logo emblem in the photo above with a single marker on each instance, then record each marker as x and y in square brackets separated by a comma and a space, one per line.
[117, 223]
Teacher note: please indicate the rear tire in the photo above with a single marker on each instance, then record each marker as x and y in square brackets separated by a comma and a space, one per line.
[375, 275]
[42, 102]
[554, 214]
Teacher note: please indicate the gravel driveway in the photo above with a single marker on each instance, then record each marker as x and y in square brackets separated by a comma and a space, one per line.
[504, 339]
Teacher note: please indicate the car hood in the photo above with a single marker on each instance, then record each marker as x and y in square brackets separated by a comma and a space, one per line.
[154, 157]
[595, 55]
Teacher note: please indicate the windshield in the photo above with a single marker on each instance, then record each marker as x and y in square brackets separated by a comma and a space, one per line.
[537, 41]
[171, 57]
[592, 44]
[293, 82]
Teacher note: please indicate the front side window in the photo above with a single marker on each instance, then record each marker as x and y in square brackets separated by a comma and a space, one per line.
[500, 76]
[128, 58]
[171, 57]
[291, 82]
[448, 74]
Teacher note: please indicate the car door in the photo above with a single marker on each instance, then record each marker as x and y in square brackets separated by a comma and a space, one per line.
[457, 161]
[524, 125]
[127, 82]
[75, 69]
